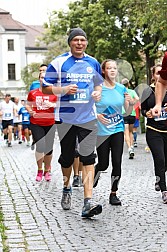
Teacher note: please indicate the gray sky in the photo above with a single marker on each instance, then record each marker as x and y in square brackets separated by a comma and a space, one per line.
[32, 11]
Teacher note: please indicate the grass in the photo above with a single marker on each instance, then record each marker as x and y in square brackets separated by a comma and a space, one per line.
[2, 233]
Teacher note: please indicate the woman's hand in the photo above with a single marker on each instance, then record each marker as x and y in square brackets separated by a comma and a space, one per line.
[96, 95]
[127, 98]
[102, 119]
[156, 111]
[149, 114]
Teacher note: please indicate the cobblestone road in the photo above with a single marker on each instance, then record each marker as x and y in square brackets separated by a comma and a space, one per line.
[35, 220]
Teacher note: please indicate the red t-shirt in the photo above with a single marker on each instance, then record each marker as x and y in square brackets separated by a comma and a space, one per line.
[40, 104]
[137, 109]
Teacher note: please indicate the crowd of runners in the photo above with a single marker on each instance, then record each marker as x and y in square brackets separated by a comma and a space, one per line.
[93, 114]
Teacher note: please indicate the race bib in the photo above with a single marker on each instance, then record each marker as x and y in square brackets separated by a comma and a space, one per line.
[163, 115]
[7, 115]
[114, 119]
[81, 96]
[26, 118]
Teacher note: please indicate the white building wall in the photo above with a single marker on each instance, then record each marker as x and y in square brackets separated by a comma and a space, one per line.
[35, 57]
[20, 57]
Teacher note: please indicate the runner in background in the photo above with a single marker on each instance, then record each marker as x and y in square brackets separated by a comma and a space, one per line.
[42, 123]
[25, 122]
[36, 84]
[137, 123]
[17, 121]
[7, 111]
[23, 136]
[129, 120]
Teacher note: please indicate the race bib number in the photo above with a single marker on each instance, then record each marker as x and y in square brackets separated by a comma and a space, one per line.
[113, 119]
[81, 96]
[26, 118]
[163, 115]
[7, 115]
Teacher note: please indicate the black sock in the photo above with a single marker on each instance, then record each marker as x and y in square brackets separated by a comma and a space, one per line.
[5, 137]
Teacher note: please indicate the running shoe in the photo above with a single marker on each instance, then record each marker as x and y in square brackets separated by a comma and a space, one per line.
[66, 199]
[164, 197]
[39, 176]
[75, 181]
[131, 153]
[157, 187]
[89, 210]
[28, 144]
[32, 146]
[20, 141]
[47, 176]
[114, 200]
[135, 144]
[9, 144]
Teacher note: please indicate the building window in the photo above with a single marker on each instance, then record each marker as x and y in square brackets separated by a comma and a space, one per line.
[11, 72]
[10, 45]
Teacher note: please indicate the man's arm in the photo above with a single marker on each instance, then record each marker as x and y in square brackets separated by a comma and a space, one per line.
[70, 89]
[52, 90]
[160, 91]
[160, 88]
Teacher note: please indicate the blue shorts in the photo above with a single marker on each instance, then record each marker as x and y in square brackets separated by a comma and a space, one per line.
[26, 126]
[136, 124]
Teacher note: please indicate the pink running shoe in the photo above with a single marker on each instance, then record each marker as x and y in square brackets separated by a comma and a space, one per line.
[39, 176]
[47, 176]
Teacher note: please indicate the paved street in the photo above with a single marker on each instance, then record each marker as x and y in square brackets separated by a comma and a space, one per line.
[35, 220]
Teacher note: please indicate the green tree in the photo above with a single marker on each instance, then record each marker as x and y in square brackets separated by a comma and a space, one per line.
[101, 21]
[132, 30]
[29, 74]
[145, 22]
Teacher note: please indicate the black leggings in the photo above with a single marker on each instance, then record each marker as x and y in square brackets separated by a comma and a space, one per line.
[157, 143]
[113, 143]
[43, 136]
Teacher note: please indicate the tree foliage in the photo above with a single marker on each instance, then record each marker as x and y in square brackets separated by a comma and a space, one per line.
[133, 30]
[146, 22]
[30, 73]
